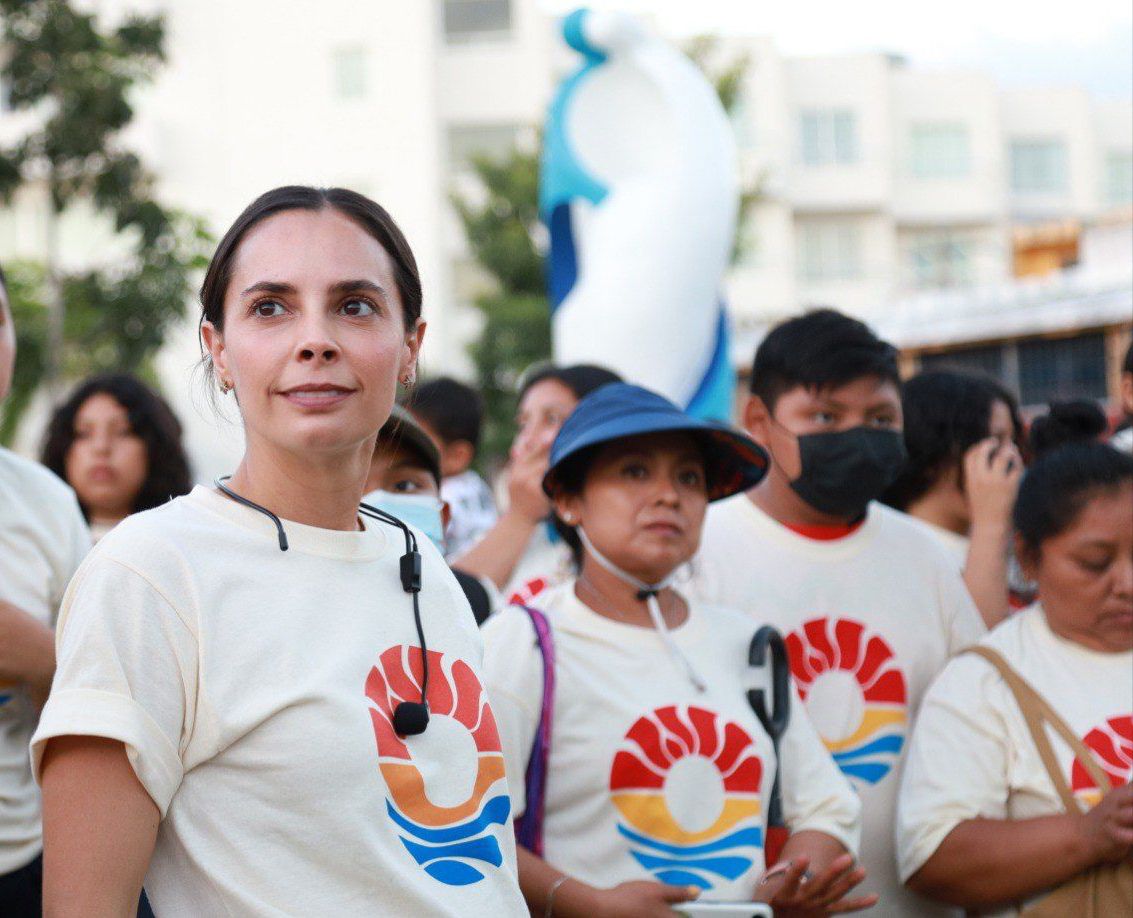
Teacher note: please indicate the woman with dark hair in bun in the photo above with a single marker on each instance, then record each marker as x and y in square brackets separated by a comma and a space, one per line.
[118, 444]
[1016, 792]
[267, 698]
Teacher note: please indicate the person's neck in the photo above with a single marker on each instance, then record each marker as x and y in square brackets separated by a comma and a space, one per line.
[775, 497]
[107, 518]
[321, 490]
[611, 597]
[939, 508]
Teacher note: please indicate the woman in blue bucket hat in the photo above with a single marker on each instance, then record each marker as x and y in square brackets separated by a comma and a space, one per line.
[622, 704]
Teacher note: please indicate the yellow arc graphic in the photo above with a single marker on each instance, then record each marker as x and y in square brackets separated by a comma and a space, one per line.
[874, 720]
[649, 813]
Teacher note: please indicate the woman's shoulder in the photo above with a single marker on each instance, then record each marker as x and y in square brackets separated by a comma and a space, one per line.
[35, 484]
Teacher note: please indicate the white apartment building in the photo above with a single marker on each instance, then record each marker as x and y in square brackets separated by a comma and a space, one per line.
[880, 183]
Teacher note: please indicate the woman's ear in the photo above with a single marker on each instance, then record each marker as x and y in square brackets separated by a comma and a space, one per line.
[412, 350]
[568, 509]
[213, 340]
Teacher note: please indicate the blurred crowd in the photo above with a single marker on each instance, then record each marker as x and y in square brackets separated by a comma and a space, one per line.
[936, 596]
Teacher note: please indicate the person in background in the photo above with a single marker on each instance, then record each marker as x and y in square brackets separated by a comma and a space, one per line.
[452, 413]
[983, 822]
[872, 607]
[405, 481]
[42, 541]
[658, 772]
[523, 553]
[1123, 438]
[961, 476]
[118, 444]
[1078, 421]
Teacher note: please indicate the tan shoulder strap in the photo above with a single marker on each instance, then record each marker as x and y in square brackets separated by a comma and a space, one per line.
[1038, 714]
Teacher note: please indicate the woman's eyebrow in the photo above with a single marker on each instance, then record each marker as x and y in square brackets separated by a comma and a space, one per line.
[269, 287]
[354, 286]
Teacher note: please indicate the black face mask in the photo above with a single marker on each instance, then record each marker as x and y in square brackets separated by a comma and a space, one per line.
[843, 471]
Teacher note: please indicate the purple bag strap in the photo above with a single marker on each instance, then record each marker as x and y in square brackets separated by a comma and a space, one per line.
[529, 826]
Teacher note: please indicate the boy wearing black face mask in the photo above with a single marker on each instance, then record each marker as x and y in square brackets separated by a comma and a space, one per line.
[871, 606]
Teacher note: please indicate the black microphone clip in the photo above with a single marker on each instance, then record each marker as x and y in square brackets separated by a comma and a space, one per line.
[410, 718]
[411, 572]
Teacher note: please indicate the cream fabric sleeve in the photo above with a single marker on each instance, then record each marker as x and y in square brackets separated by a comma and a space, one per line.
[513, 679]
[958, 761]
[127, 670]
[963, 625]
[816, 796]
[76, 546]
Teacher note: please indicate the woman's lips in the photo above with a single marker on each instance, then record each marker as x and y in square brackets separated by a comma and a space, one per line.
[101, 473]
[317, 397]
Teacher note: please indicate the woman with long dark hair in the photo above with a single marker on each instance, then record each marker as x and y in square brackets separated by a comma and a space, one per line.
[267, 699]
[118, 445]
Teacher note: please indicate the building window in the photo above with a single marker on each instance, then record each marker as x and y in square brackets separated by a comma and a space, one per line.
[985, 360]
[467, 143]
[1062, 368]
[940, 261]
[829, 251]
[349, 65]
[1038, 166]
[471, 19]
[828, 137]
[939, 151]
[1119, 177]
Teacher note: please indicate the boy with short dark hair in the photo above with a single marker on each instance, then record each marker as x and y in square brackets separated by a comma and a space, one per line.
[452, 414]
[870, 605]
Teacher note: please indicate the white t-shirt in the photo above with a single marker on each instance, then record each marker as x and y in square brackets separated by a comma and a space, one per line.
[971, 722]
[42, 541]
[253, 691]
[473, 511]
[546, 562]
[956, 545]
[870, 620]
[648, 778]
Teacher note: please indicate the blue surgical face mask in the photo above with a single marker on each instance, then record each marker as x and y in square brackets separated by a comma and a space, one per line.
[420, 510]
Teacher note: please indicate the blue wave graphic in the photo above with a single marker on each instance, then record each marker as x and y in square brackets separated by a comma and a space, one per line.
[862, 763]
[891, 744]
[694, 865]
[438, 849]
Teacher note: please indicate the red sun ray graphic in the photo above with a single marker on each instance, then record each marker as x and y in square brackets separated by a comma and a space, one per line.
[1112, 746]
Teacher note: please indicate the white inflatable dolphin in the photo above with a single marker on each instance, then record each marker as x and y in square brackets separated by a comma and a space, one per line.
[639, 190]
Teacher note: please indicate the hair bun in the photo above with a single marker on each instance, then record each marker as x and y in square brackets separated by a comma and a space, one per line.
[1078, 421]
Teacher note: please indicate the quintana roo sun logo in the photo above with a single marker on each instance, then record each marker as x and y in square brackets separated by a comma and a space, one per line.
[854, 692]
[686, 784]
[448, 834]
[1112, 746]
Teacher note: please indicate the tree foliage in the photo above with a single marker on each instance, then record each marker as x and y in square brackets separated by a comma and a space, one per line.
[75, 80]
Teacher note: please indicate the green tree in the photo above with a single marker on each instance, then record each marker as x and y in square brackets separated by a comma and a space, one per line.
[502, 228]
[75, 80]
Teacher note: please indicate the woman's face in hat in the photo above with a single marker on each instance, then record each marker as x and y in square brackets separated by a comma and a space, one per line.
[642, 503]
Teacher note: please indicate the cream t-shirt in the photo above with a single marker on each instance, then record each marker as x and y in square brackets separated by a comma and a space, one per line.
[972, 756]
[43, 539]
[546, 562]
[253, 690]
[650, 779]
[870, 620]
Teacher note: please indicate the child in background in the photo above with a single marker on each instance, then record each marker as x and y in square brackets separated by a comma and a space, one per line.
[872, 607]
[405, 480]
[451, 413]
[961, 476]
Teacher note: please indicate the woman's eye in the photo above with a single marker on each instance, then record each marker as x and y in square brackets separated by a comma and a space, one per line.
[691, 478]
[405, 486]
[634, 470]
[267, 309]
[824, 417]
[358, 308]
[1094, 566]
[884, 421]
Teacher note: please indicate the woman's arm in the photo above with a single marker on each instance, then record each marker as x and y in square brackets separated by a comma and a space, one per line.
[538, 881]
[27, 652]
[991, 474]
[831, 876]
[987, 862]
[99, 828]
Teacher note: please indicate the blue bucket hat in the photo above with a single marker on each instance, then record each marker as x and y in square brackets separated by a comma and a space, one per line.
[733, 462]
